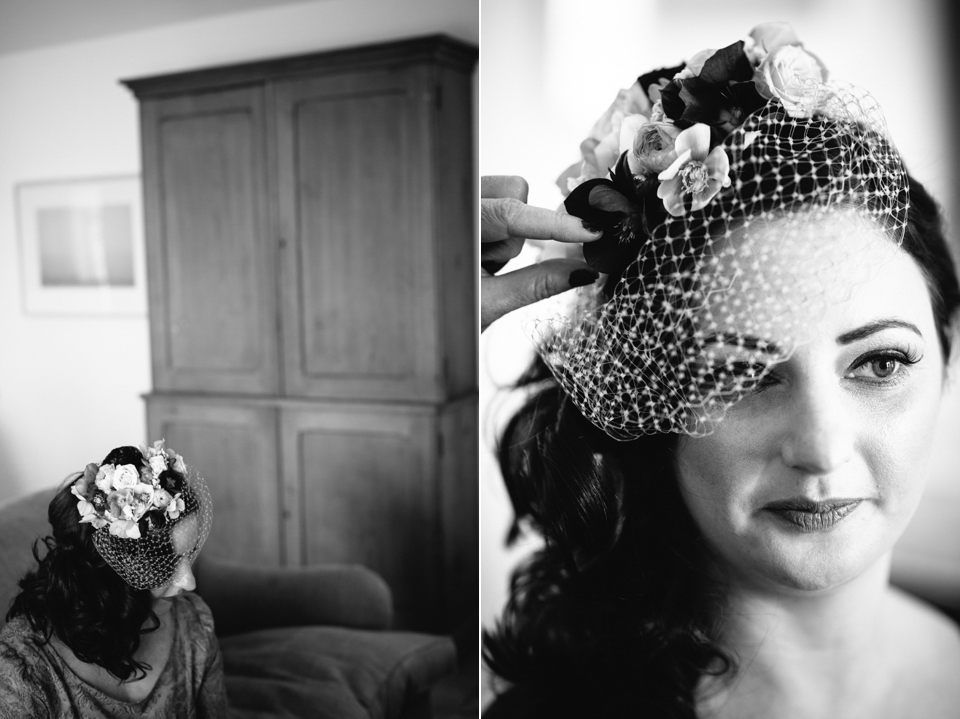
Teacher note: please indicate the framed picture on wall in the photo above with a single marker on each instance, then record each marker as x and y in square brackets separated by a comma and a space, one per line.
[81, 246]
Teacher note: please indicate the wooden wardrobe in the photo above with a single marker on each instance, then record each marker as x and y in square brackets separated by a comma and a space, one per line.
[310, 254]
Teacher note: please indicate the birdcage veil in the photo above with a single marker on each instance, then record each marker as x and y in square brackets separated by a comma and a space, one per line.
[739, 141]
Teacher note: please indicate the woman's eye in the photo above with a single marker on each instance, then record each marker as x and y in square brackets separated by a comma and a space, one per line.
[884, 367]
[880, 367]
[737, 377]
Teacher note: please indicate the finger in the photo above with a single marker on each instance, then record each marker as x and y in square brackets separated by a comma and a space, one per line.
[492, 186]
[501, 251]
[491, 267]
[504, 218]
[505, 293]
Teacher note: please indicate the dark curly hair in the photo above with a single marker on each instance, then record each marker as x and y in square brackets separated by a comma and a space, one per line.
[74, 594]
[617, 615]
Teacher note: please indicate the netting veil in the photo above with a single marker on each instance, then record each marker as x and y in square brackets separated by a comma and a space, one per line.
[151, 514]
[715, 248]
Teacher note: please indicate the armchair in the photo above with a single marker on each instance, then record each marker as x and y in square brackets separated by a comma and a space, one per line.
[296, 642]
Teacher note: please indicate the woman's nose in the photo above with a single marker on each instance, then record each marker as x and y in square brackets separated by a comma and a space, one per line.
[187, 582]
[820, 437]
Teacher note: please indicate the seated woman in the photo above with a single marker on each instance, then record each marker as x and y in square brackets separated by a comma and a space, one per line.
[106, 625]
[727, 433]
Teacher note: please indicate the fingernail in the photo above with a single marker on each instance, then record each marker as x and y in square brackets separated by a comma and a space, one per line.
[579, 278]
[590, 228]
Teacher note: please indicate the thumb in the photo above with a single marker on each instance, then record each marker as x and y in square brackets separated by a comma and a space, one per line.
[505, 293]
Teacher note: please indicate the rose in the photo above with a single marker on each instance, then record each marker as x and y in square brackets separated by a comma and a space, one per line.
[766, 37]
[104, 479]
[794, 76]
[125, 476]
[653, 148]
[158, 463]
[602, 148]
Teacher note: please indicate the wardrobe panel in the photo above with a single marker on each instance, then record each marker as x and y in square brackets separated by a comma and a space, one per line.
[234, 448]
[211, 261]
[359, 315]
[362, 480]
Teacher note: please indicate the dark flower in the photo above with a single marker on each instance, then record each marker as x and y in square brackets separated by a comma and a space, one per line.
[625, 208]
[721, 96]
[171, 481]
[153, 519]
[656, 77]
[99, 501]
[124, 455]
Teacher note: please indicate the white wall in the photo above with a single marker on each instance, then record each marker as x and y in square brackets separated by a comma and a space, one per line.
[551, 67]
[70, 388]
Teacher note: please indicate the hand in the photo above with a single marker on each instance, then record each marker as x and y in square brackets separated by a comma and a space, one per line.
[506, 220]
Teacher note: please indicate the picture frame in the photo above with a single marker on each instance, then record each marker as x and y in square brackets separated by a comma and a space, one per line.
[81, 246]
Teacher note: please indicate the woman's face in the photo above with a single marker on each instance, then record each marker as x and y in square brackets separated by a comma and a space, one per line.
[184, 538]
[845, 421]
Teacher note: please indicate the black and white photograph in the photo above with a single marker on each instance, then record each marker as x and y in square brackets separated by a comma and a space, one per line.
[238, 391]
[718, 395]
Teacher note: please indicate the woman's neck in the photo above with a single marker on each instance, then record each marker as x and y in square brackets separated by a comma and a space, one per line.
[802, 653]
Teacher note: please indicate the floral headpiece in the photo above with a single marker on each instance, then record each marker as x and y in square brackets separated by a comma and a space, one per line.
[682, 162]
[135, 503]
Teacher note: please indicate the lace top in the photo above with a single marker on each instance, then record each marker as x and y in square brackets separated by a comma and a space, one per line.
[36, 682]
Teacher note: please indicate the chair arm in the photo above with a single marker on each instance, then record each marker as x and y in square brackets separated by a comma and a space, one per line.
[244, 598]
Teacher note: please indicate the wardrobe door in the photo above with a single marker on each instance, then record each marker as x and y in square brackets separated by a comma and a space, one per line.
[210, 255]
[359, 274]
[360, 486]
[233, 446]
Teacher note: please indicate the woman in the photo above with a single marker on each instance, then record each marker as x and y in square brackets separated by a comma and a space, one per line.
[726, 436]
[106, 625]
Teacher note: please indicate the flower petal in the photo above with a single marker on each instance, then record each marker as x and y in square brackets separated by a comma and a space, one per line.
[718, 165]
[671, 172]
[670, 193]
[696, 139]
[702, 199]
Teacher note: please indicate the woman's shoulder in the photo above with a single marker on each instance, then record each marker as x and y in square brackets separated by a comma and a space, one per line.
[27, 681]
[194, 610]
[917, 620]
[20, 643]
[926, 644]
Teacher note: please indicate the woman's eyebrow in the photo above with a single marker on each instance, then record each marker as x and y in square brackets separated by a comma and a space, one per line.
[874, 327]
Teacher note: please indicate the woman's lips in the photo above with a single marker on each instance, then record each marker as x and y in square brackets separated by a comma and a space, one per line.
[810, 516]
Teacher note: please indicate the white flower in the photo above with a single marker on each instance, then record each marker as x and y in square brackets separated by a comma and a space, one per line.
[105, 478]
[161, 498]
[179, 465]
[653, 148]
[697, 171]
[125, 528]
[94, 519]
[79, 488]
[766, 37]
[175, 507]
[125, 476]
[158, 464]
[629, 128]
[793, 75]
[86, 509]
